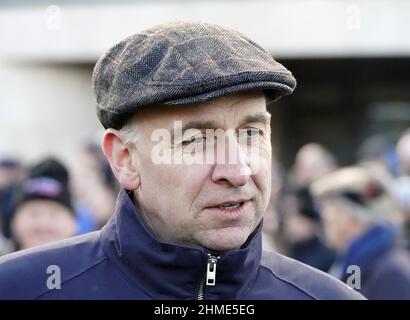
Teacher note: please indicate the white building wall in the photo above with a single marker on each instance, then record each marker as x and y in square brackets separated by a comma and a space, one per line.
[46, 109]
[46, 103]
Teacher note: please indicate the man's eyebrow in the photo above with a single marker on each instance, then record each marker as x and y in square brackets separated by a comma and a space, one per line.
[261, 117]
[200, 125]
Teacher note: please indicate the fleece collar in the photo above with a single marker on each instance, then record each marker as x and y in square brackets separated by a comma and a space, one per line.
[168, 271]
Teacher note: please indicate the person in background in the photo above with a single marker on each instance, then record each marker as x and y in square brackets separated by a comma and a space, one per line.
[403, 153]
[270, 231]
[401, 186]
[312, 161]
[43, 210]
[356, 211]
[94, 189]
[401, 194]
[376, 149]
[302, 229]
[11, 174]
[299, 226]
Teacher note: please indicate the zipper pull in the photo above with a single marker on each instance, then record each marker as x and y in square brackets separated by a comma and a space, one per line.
[211, 270]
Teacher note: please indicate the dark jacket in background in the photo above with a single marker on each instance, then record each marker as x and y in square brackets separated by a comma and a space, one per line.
[313, 253]
[125, 261]
[384, 264]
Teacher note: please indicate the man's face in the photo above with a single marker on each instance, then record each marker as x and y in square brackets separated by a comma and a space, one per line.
[337, 223]
[38, 222]
[403, 152]
[215, 204]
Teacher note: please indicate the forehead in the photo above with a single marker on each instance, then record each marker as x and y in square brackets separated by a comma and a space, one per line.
[228, 108]
[40, 205]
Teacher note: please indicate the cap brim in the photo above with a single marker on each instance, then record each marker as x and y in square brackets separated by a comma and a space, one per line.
[274, 90]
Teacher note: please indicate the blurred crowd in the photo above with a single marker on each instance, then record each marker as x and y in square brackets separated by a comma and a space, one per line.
[352, 222]
[324, 215]
[49, 201]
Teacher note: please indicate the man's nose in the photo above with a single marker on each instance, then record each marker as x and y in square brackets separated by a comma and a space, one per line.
[233, 166]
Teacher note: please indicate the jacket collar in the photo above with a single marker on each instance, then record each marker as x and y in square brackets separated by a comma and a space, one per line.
[169, 271]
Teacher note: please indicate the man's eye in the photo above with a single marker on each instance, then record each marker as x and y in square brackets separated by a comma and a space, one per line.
[253, 132]
[195, 139]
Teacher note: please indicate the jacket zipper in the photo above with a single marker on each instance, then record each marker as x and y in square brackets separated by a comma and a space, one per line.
[209, 277]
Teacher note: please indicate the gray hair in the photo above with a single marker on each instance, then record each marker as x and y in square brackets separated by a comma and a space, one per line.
[129, 133]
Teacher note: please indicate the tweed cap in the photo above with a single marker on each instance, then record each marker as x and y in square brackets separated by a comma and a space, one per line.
[182, 63]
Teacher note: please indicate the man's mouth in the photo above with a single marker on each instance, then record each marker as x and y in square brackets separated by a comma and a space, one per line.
[231, 206]
[234, 206]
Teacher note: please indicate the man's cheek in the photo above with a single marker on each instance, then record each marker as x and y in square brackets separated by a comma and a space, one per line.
[168, 174]
[263, 182]
[263, 166]
[265, 149]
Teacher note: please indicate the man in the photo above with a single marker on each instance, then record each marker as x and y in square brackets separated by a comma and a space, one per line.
[357, 210]
[401, 186]
[401, 194]
[403, 153]
[312, 161]
[11, 174]
[187, 224]
[302, 229]
[42, 210]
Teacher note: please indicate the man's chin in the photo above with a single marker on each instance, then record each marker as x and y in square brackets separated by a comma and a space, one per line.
[225, 239]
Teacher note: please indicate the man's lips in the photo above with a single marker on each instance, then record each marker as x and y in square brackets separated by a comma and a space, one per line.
[230, 206]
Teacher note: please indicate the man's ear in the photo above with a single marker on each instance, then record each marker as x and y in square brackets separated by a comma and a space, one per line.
[119, 155]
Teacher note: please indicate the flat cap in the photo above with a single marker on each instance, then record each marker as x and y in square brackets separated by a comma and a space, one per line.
[182, 63]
